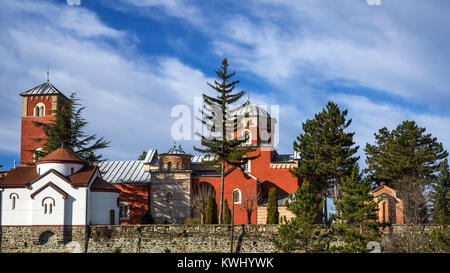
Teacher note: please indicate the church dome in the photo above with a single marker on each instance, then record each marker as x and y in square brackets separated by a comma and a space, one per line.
[176, 150]
[250, 110]
[174, 159]
[61, 160]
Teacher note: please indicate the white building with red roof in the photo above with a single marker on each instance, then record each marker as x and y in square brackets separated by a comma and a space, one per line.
[60, 190]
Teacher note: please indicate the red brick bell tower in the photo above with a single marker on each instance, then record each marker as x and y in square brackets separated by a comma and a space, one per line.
[37, 105]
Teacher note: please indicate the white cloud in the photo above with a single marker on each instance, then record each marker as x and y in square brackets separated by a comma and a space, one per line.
[373, 47]
[175, 8]
[369, 116]
[128, 96]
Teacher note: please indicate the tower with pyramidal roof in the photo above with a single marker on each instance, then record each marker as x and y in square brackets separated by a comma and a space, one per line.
[38, 104]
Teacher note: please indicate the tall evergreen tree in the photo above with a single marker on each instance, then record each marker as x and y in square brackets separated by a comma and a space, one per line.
[272, 207]
[217, 145]
[356, 224]
[406, 159]
[67, 131]
[302, 233]
[439, 196]
[405, 152]
[209, 214]
[227, 214]
[326, 151]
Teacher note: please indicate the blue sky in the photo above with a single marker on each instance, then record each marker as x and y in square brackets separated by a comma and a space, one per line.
[131, 61]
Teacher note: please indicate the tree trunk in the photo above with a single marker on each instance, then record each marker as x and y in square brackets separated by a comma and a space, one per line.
[222, 178]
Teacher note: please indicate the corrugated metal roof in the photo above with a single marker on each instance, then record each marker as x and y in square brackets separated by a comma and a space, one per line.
[282, 158]
[129, 171]
[199, 159]
[44, 89]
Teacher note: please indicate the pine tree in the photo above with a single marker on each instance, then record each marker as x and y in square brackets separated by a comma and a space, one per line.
[142, 156]
[217, 146]
[67, 131]
[301, 233]
[439, 196]
[227, 214]
[326, 151]
[356, 224]
[406, 159]
[272, 207]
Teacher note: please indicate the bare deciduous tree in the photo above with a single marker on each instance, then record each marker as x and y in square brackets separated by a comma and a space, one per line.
[200, 197]
[412, 192]
[249, 203]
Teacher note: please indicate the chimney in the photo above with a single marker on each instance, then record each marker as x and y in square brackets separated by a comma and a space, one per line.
[382, 183]
[14, 164]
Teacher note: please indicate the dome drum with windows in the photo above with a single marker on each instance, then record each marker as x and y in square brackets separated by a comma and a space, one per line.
[62, 161]
[174, 160]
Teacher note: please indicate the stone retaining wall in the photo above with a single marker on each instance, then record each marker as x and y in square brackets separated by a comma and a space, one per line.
[152, 238]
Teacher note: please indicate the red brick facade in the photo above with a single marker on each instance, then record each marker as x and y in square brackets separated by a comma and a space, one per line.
[138, 200]
[176, 169]
[281, 179]
[29, 114]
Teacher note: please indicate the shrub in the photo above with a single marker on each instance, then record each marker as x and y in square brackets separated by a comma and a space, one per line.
[211, 211]
[272, 207]
[193, 221]
[227, 214]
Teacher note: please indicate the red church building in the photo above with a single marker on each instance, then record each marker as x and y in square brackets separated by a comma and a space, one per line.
[166, 184]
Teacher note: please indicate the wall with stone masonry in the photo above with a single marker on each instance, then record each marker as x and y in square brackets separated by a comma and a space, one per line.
[152, 238]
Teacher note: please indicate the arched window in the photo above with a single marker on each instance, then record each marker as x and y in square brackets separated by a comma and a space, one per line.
[169, 197]
[48, 203]
[39, 110]
[169, 166]
[237, 196]
[112, 217]
[247, 134]
[13, 196]
[124, 211]
[35, 157]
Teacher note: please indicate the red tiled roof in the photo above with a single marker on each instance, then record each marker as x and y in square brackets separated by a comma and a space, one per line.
[19, 176]
[22, 176]
[61, 155]
[101, 185]
[83, 176]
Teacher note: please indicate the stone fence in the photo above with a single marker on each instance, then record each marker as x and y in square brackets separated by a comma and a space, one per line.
[152, 238]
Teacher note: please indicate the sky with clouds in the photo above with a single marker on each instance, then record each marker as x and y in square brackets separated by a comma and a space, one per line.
[132, 61]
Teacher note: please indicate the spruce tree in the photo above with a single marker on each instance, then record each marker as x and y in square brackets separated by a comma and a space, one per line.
[67, 131]
[227, 214]
[439, 196]
[217, 146]
[326, 151]
[272, 207]
[356, 224]
[302, 233]
[407, 160]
